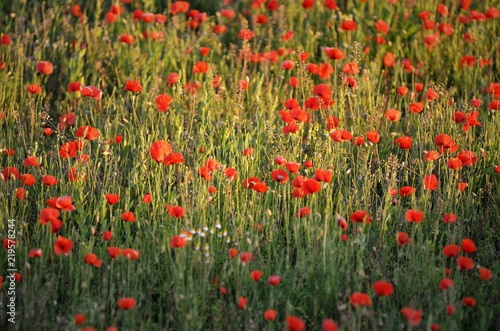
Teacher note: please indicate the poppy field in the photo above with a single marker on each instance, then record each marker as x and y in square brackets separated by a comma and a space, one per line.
[250, 165]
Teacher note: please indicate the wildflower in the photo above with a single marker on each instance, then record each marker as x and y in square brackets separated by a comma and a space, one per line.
[383, 288]
[126, 303]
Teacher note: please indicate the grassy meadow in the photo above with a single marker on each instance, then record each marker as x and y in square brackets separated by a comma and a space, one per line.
[250, 165]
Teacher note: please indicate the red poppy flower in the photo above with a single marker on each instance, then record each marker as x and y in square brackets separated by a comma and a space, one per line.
[334, 53]
[416, 107]
[468, 246]
[294, 323]
[323, 175]
[270, 314]
[128, 216]
[431, 182]
[45, 67]
[10, 173]
[63, 245]
[91, 92]
[431, 156]
[413, 316]
[303, 212]
[311, 186]
[132, 86]
[178, 242]
[393, 115]
[65, 203]
[107, 235]
[360, 216]
[79, 319]
[256, 275]
[359, 299]
[92, 259]
[329, 325]
[465, 263]
[176, 211]
[403, 90]
[127, 39]
[446, 283]
[242, 302]
[163, 102]
[349, 25]
[34, 89]
[414, 216]
[245, 34]
[341, 135]
[126, 303]
[404, 142]
[113, 252]
[383, 289]
[35, 252]
[485, 274]
[450, 310]
[469, 301]
[28, 179]
[159, 150]
[449, 218]
[233, 252]
[131, 254]
[494, 105]
[451, 250]
[274, 280]
[112, 198]
[402, 238]
[468, 158]
[280, 176]
[246, 257]
[373, 136]
[31, 161]
[389, 60]
[5, 39]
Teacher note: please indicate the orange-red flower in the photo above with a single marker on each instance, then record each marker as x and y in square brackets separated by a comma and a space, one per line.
[393, 115]
[413, 316]
[34, 89]
[294, 323]
[128, 216]
[446, 283]
[159, 150]
[92, 259]
[404, 142]
[406, 191]
[178, 242]
[468, 246]
[280, 176]
[465, 263]
[242, 302]
[274, 280]
[112, 198]
[485, 274]
[126, 303]
[360, 216]
[449, 218]
[63, 245]
[451, 250]
[469, 301]
[270, 315]
[383, 288]
[176, 211]
[359, 299]
[256, 275]
[132, 86]
[45, 67]
[431, 182]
